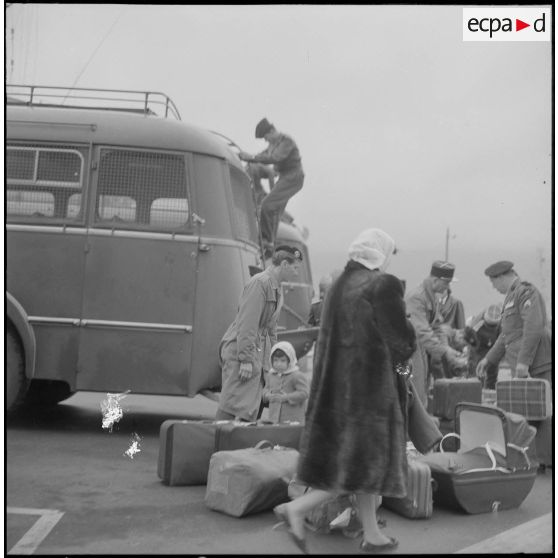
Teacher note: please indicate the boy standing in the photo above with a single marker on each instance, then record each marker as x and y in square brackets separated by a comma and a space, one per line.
[286, 387]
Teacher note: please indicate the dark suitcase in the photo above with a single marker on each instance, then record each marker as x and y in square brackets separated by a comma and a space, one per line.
[491, 470]
[417, 504]
[448, 392]
[239, 435]
[185, 447]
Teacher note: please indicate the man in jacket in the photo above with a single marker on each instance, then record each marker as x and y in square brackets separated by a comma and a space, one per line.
[423, 306]
[245, 347]
[282, 152]
[524, 339]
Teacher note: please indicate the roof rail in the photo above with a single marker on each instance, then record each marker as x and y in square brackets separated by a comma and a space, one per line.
[144, 102]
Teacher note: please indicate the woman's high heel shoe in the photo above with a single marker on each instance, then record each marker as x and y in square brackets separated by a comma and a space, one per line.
[283, 516]
[366, 546]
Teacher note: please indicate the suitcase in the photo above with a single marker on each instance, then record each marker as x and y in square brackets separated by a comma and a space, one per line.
[238, 435]
[185, 447]
[250, 480]
[418, 502]
[448, 392]
[529, 397]
[491, 470]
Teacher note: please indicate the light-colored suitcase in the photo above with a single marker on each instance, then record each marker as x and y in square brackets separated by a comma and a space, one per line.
[529, 397]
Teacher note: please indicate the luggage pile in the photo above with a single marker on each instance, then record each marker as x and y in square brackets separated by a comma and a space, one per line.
[251, 467]
[246, 466]
[186, 446]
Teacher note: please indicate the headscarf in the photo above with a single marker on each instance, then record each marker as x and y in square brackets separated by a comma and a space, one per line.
[289, 350]
[372, 248]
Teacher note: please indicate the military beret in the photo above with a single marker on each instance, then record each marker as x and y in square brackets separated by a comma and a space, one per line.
[291, 251]
[498, 268]
[443, 270]
[263, 127]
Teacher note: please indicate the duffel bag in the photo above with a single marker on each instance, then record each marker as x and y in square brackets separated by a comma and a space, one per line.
[251, 480]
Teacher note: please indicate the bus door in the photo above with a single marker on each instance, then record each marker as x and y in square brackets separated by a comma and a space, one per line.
[45, 196]
[228, 248]
[140, 280]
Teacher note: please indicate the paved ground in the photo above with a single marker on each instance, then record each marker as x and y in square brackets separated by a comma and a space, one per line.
[63, 461]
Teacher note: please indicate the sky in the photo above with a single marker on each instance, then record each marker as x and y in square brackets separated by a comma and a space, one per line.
[401, 124]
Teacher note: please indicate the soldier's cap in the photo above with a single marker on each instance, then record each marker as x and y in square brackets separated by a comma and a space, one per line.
[263, 127]
[443, 270]
[498, 268]
[290, 251]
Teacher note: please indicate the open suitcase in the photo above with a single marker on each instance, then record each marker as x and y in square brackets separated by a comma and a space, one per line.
[491, 470]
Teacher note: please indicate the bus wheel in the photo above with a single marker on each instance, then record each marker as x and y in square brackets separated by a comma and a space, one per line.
[43, 393]
[16, 382]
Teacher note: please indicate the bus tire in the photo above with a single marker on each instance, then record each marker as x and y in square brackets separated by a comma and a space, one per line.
[16, 382]
[44, 393]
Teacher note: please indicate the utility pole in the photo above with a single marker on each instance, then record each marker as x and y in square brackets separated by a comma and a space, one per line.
[447, 244]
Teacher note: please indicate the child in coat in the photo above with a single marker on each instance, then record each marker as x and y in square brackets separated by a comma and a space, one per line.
[286, 387]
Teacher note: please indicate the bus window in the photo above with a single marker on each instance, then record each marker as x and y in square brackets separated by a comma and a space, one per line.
[141, 189]
[41, 180]
[74, 206]
[245, 227]
[169, 212]
[22, 202]
[117, 208]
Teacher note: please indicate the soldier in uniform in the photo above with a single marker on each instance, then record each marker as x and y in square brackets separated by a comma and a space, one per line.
[424, 308]
[524, 340]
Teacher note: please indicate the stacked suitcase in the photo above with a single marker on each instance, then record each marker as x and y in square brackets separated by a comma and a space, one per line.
[186, 446]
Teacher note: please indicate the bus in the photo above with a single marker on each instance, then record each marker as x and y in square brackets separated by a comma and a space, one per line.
[129, 237]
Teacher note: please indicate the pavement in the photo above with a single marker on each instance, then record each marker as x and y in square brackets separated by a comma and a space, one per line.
[72, 489]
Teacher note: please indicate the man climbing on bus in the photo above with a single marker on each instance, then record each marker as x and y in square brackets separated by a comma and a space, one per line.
[283, 153]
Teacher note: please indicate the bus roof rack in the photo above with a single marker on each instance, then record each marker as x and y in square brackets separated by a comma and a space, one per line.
[143, 102]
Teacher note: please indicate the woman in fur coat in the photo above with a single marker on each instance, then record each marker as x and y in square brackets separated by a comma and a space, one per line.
[354, 440]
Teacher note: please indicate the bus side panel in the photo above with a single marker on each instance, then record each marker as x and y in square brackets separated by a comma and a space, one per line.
[221, 279]
[133, 282]
[45, 274]
[150, 362]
